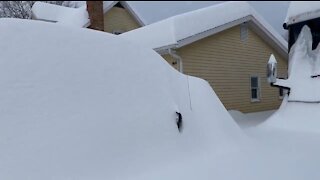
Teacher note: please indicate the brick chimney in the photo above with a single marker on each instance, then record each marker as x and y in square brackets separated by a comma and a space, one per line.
[95, 11]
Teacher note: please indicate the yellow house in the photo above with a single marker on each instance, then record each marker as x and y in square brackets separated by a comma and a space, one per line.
[227, 44]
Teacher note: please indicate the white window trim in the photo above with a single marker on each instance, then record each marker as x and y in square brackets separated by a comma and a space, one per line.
[258, 88]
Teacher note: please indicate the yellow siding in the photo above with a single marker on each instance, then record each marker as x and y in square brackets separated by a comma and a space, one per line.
[171, 60]
[119, 19]
[227, 63]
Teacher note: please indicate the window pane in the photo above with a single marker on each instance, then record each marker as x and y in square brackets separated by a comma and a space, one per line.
[254, 94]
[254, 82]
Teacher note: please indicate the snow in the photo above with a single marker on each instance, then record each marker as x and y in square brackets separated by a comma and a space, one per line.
[296, 116]
[246, 120]
[78, 4]
[170, 31]
[299, 111]
[299, 11]
[59, 14]
[304, 63]
[83, 104]
[77, 109]
[272, 59]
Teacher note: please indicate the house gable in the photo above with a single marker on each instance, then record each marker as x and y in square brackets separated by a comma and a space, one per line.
[118, 19]
[227, 62]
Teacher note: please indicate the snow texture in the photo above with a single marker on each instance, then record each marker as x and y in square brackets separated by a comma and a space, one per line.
[83, 104]
[299, 11]
[170, 31]
[303, 70]
[76, 106]
[300, 110]
[63, 15]
[77, 4]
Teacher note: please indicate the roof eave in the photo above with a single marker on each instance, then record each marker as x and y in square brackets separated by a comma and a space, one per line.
[132, 12]
[257, 27]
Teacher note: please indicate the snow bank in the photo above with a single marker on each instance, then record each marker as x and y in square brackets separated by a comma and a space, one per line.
[299, 11]
[76, 106]
[62, 15]
[299, 111]
[170, 31]
[295, 116]
[304, 70]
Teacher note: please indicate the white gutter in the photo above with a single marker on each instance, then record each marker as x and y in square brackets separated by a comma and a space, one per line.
[174, 54]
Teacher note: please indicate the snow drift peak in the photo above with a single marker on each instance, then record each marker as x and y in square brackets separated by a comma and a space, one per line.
[304, 70]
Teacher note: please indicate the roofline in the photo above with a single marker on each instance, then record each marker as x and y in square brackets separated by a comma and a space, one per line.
[256, 26]
[128, 8]
[269, 37]
[132, 12]
[110, 6]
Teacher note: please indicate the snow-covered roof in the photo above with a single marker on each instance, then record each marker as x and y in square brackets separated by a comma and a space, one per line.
[299, 11]
[183, 29]
[107, 5]
[59, 14]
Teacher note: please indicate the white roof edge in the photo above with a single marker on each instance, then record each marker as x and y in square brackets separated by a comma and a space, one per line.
[279, 41]
[126, 5]
[299, 11]
[272, 35]
[215, 30]
[107, 8]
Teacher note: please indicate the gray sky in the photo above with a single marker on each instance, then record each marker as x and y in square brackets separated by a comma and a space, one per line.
[151, 11]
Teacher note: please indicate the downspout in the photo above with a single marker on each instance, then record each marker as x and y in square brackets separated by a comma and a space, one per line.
[174, 54]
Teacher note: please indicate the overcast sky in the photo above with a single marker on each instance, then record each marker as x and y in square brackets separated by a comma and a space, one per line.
[151, 11]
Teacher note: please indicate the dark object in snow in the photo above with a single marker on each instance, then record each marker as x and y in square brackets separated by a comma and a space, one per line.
[179, 121]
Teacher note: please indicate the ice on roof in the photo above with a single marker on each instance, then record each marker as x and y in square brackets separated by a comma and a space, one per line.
[174, 29]
[63, 15]
[301, 11]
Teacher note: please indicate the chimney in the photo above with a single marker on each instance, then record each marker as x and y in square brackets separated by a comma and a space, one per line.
[95, 11]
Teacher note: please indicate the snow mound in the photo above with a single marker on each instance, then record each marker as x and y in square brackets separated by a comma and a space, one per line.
[304, 70]
[82, 104]
[299, 111]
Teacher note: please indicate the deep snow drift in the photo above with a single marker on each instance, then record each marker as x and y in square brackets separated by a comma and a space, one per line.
[81, 104]
[300, 110]
[78, 103]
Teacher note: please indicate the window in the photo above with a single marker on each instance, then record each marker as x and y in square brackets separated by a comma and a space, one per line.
[255, 88]
[243, 32]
